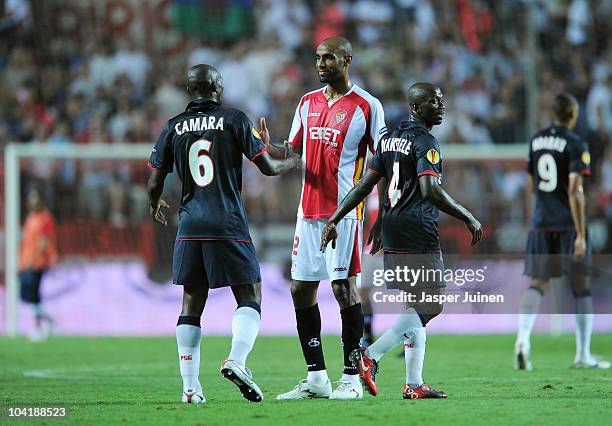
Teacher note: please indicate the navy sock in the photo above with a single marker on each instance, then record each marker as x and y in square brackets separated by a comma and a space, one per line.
[352, 329]
[309, 331]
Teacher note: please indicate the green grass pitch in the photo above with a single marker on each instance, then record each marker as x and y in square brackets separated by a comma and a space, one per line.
[135, 381]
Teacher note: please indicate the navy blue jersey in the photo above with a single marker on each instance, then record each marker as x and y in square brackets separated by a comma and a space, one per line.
[410, 223]
[554, 153]
[205, 144]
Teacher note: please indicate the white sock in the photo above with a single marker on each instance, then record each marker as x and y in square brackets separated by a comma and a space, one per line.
[394, 336]
[584, 327]
[317, 377]
[350, 378]
[188, 342]
[245, 326]
[528, 311]
[414, 355]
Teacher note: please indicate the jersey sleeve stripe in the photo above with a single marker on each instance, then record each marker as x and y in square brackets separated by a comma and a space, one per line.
[428, 172]
[151, 166]
[259, 153]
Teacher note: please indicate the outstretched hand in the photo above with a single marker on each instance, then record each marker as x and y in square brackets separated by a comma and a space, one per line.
[263, 131]
[330, 233]
[157, 214]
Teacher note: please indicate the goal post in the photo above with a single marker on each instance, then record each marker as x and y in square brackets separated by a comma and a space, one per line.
[13, 154]
[16, 152]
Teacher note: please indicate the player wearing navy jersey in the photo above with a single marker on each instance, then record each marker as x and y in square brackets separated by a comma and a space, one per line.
[558, 242]
[213, 248]
[410, 160]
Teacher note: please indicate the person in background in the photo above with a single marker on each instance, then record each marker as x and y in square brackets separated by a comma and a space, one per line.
[38, 252]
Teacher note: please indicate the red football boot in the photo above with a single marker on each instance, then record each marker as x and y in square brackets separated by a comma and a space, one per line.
[423, 391]
[367, 368]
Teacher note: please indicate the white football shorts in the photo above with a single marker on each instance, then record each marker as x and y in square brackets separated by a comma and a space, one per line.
[309, 264]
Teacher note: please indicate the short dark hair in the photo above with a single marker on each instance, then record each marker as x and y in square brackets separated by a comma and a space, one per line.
[563, 106]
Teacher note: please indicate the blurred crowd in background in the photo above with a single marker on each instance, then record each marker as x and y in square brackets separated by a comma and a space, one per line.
[99, 86]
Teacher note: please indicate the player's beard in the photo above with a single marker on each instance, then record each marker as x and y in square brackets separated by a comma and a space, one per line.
[332, 76]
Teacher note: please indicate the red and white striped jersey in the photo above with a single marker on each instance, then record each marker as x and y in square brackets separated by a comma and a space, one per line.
[334, 139]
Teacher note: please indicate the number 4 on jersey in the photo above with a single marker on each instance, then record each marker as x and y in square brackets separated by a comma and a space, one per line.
[394, 192]
[200, 164]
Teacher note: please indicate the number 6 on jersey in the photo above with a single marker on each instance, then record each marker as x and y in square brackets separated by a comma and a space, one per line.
[200, 164]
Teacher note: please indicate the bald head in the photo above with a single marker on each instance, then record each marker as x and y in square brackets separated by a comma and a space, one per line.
[419, 92]
[204, 81]
[426, 103]
[333, 57]
[338, 45]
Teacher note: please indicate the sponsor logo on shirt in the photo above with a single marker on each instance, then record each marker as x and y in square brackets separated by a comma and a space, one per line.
[327, 135]
[314, 114]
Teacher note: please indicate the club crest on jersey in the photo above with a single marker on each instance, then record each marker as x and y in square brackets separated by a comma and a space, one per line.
[256, 133]
[586, 158]
[433, 156]
[340, 116]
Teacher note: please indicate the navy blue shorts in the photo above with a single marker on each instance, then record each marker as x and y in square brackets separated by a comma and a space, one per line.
[430, 264]
[550, 255]
[214, 263]
[30, 280]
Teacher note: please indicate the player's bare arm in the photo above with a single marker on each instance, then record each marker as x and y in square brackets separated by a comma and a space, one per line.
[375, 234]
[577, 207]
[278, 152]
[271, 166]
[352, 199]
[435, 194]
[155, 187]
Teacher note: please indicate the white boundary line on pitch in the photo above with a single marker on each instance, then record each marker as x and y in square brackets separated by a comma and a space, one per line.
[66, 373]
[77, 372]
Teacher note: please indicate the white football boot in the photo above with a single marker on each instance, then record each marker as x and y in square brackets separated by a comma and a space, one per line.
[243, 378]
[307, 390]
[191, 396]
[592, 362]
[347, 390]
